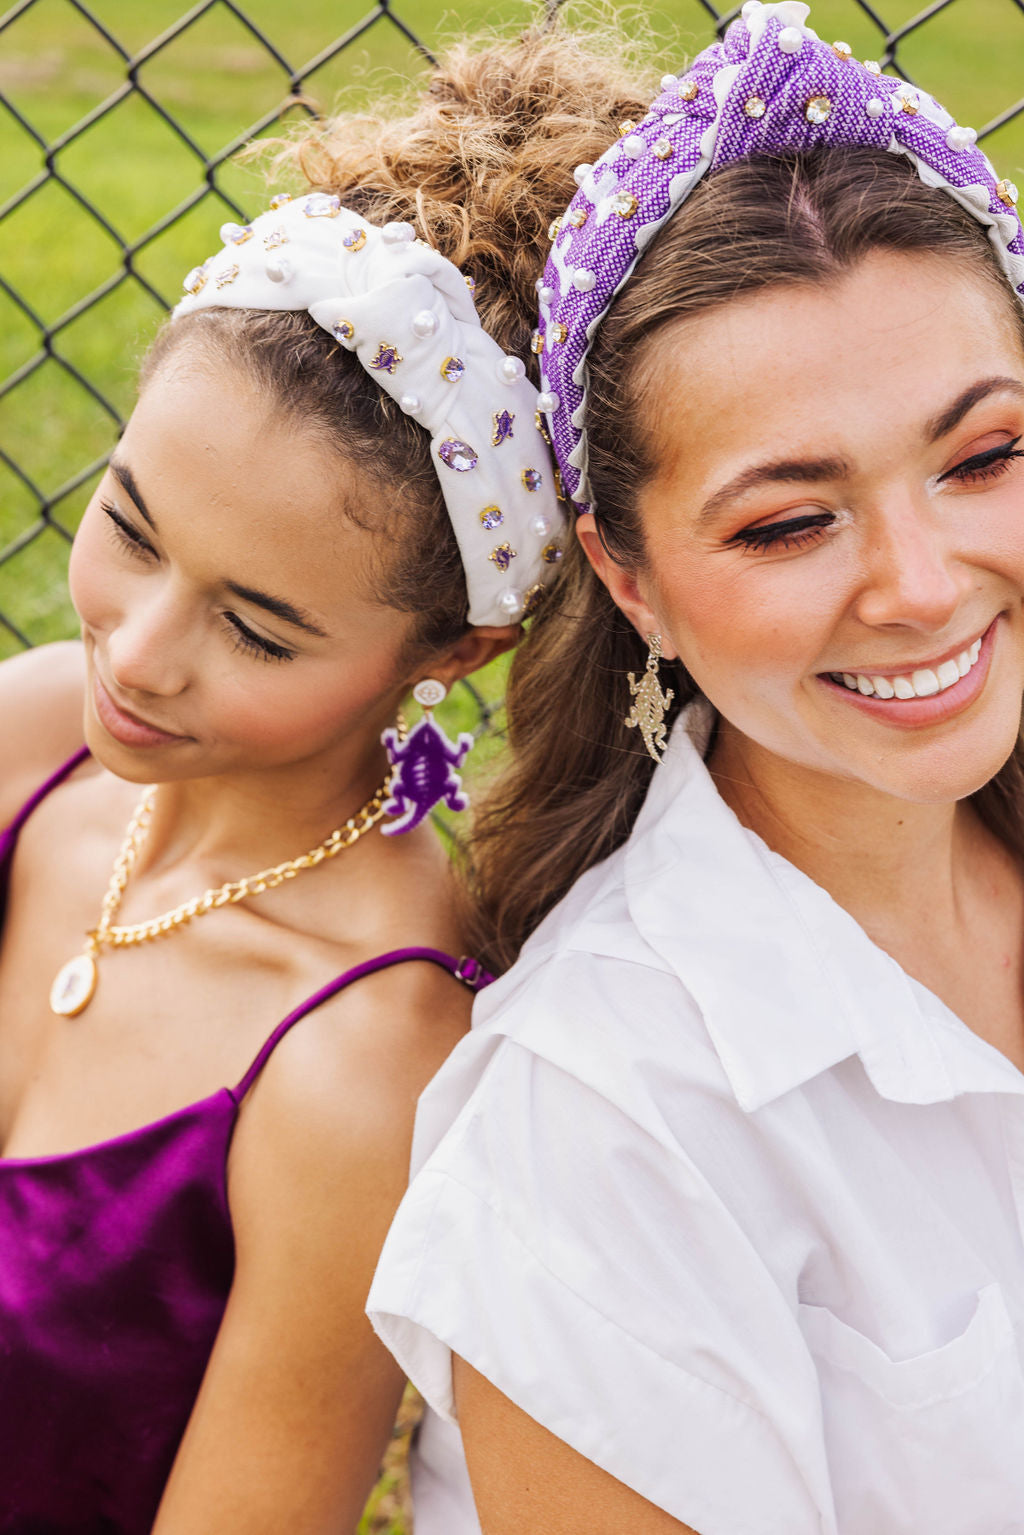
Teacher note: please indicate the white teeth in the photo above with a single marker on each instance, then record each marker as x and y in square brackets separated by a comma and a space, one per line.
[924, 683]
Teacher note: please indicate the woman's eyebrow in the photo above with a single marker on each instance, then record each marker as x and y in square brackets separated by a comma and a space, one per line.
[810, 471]
[948, 419]
[276, 605]
[279, 607]
[124, 477]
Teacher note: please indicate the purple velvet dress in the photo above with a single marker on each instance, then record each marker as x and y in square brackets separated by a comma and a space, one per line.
[115, 1267]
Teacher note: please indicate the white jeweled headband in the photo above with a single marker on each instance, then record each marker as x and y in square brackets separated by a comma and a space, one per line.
[408, 314]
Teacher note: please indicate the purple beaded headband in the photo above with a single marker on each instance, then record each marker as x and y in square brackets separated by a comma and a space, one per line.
[768, 87]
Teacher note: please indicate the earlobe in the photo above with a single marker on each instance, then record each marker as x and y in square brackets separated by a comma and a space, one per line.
[623, 585]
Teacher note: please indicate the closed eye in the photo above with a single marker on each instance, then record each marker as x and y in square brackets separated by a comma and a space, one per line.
[985, 466]
[794, 533]
[123, 534]
[254, 644]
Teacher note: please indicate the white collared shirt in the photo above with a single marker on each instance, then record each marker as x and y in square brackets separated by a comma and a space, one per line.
[723, 1198]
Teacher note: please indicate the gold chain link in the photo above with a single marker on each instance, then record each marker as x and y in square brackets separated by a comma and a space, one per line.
[105, 933]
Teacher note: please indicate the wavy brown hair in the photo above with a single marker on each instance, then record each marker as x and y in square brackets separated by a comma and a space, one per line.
[576, 778]
[480, 164]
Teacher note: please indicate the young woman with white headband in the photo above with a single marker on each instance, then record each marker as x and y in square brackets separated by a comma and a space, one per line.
[719, 1209]
[221, 987]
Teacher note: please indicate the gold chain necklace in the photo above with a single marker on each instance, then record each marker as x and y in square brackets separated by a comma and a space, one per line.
[75, 982]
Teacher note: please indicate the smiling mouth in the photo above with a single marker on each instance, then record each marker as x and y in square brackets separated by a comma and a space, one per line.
[925, 682]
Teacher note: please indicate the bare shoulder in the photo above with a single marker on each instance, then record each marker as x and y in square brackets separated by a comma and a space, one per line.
[331, 1116]
[41, 699]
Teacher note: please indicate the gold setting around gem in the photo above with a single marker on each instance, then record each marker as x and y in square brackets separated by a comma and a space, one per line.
[662, 149]
[280, 200]
[554, 229]
[537, 343]
[531, 598]
[624, 204]
[225, 278]
[755, 106]
[818, 109]
[689, 90]
[502, 555]
[355, 241]
[1007, 193]
[872, 66]
[538, 421]
[629, 126]
[842, 51]
[909, 105]
[275, 238]
[557, 332]
[577, 218]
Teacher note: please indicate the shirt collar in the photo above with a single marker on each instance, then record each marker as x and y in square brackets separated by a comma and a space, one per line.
[787, 982]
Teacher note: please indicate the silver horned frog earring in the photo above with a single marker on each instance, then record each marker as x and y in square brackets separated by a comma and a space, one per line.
[647, 713]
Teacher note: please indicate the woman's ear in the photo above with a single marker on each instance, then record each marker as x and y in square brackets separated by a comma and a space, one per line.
[623, 585]
[474, 649]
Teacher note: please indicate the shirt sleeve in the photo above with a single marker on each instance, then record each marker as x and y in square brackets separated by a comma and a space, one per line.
[582, 1262]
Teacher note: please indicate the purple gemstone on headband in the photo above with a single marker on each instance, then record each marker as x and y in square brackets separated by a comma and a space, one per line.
[457, 455]
[503, 556]
[502, 427]
[532, 479]
[491, 517]
[354, 240]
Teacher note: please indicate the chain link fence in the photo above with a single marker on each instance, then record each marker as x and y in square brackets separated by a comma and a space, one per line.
[119, 122]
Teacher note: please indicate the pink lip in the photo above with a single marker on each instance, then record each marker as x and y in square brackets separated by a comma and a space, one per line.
[127, 728]
[912, 713]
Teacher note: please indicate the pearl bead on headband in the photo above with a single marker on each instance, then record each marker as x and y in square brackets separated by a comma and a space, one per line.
[408, 314]
[770, 86]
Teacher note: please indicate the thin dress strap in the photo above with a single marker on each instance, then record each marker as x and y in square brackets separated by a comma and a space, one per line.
[13, 828]
[467, 970]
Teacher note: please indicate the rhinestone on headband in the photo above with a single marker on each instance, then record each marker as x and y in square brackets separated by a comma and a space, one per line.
[770, 86]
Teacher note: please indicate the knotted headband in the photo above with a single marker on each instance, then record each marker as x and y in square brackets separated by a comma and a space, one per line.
[769, 87]
[408, 314]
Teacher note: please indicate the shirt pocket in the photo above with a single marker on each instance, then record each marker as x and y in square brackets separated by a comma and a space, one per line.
[935, 1442]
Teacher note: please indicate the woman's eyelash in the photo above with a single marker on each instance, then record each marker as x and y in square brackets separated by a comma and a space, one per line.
[254, 644]
[245, 639]
[792, 534]
[984, 466]
[123, 533]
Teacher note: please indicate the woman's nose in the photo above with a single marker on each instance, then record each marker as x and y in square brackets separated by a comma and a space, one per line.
[147, 650]
[915, 577]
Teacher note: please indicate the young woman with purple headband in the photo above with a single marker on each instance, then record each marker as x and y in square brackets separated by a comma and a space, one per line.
[718, 1218]
[333, 491]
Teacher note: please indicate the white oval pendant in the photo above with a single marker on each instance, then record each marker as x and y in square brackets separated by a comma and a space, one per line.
[74, 986]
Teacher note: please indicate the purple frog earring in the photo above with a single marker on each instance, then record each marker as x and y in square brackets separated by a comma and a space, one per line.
[425, 765]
